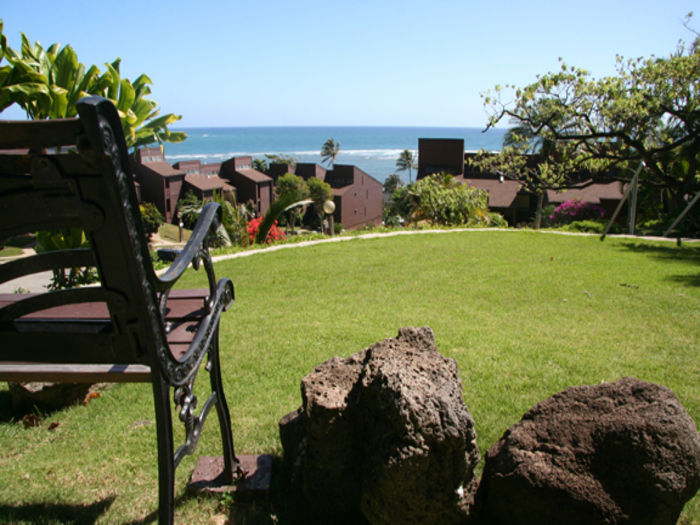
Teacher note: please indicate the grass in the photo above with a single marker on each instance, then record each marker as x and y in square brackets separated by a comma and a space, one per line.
[171, 232]
[10, 251]
[524, 314]
[13, 246]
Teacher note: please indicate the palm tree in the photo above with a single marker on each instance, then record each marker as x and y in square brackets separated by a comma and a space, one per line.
[329, 151]
[392, 183]
[406, 161]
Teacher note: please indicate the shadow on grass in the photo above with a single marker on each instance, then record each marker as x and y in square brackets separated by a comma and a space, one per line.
[49, 513]
[688, 254]
[32, 413]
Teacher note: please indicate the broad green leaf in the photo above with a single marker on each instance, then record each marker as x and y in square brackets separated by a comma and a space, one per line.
[126, 96]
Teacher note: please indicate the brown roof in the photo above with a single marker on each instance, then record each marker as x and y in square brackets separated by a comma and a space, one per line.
[213, 182]
[501, 194]
[254, 175]
[593, 193]
[162, 168]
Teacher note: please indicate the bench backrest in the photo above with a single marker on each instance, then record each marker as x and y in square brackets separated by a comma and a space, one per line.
[75, 173]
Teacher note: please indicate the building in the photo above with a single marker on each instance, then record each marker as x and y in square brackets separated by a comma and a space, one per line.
[159, 182]
[204, 187]
[306, 170]
[357, 196]
[440, 155]
[203, 180]
[251, 185]
[507, 196]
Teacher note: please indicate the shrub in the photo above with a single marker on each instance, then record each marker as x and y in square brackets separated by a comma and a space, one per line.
[275, 233]
[152, 218]
[441, 199]
[575, 210]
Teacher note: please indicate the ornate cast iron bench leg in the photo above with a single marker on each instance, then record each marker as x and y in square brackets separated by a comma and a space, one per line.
[232, 469]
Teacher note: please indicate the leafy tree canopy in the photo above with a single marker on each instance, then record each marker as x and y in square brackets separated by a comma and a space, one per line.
[294, 185]
[280, 158]
[319, 192]
[648, 112]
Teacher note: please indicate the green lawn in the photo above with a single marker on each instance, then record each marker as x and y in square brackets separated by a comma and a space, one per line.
[524, 314]
[171, 233]
[10, 251]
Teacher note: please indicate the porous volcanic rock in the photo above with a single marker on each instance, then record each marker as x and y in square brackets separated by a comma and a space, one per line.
[618, 453]
[382, 437]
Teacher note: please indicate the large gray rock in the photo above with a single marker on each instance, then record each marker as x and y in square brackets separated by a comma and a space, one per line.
[383, 437]
[618, 453]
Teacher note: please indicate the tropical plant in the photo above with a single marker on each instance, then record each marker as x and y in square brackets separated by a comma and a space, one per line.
[188, 209]
[406, 161]
[47, 83]
[233, 219]
[65, 239]
[264, 228]
[397, 209]
[329, 151]
[441, 199]
[260, 165]
[392, 183]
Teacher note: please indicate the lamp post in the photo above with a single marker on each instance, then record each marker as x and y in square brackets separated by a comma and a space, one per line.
[328, 209]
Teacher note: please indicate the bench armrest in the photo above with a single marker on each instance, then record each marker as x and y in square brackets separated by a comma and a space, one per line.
[195, 249]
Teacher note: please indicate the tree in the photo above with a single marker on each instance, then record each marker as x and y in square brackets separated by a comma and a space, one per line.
[319, 192]
[47, 83]
[397, 210]
[152, 218]
[260, 165]
[188, 209]
[279, 158]
[392, 183]
[647, 112]
[295, 187]
[406, 161]
[539, 164]
[329, 151]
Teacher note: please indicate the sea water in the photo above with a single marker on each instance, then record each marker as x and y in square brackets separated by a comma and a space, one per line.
[372, 149]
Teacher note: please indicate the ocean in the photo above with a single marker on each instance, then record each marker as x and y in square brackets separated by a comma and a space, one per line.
[372, 149]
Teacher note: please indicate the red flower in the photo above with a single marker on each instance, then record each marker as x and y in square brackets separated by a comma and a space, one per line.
[275, 234]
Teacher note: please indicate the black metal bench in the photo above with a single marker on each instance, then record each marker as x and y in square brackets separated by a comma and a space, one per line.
[132, 327]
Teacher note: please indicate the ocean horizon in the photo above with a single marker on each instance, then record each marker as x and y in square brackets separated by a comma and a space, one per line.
[374, 149]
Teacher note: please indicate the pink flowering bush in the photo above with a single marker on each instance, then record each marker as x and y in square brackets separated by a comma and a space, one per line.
[575, 210]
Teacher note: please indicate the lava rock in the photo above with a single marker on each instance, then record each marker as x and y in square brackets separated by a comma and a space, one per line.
[383, 437]
[619, 453]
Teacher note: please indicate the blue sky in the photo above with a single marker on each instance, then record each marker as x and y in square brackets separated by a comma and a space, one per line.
[359, 62]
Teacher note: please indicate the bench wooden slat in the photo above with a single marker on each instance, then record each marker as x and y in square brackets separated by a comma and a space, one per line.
[74, 373]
